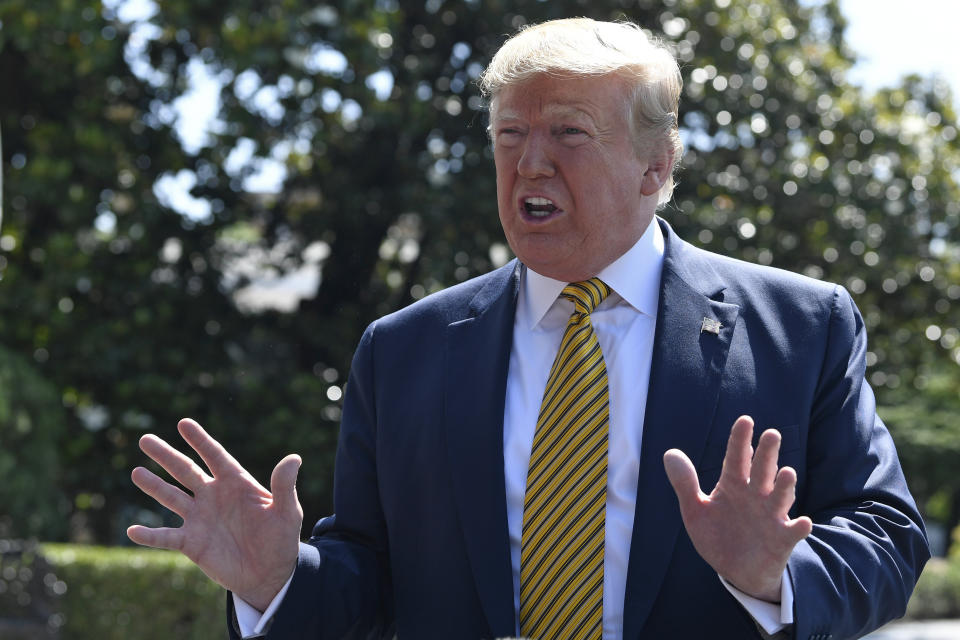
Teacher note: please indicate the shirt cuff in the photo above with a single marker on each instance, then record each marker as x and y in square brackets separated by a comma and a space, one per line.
[251, 621]
[771, 616]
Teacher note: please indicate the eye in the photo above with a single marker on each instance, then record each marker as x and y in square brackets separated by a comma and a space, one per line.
[572, 131]
[508, 136]
[508, 132]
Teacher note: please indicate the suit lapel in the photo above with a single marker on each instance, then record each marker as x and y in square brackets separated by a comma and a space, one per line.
[476, 361]
[684, 384]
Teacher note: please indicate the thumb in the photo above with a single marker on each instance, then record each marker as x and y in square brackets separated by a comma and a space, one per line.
[683, 477]
[283, 483]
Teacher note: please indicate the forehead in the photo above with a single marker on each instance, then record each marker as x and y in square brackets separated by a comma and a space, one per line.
[600, 98]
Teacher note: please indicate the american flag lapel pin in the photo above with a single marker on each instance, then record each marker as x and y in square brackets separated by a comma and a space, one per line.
[709, 325]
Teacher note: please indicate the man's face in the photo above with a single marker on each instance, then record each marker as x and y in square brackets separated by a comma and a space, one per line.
[572, 192]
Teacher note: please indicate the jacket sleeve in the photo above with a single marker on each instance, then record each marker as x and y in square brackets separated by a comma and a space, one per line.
[858, 567]
[340, 588]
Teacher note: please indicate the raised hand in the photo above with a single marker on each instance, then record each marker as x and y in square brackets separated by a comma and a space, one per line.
[241, 535]
[742, 529]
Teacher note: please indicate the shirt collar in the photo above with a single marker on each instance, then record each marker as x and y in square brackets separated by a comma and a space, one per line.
[634, 278]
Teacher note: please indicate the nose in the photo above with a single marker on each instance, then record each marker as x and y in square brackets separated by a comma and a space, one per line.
[536, 159]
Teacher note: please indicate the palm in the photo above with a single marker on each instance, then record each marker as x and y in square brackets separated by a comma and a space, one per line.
[240, 534]
[742, 529]
[231, 517]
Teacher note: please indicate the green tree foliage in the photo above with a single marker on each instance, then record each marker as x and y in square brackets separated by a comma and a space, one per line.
[32, 422]
[136, 314]
[924, 426]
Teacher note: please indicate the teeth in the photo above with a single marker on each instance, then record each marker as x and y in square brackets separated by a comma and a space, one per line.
[538, 202]
[539, 207]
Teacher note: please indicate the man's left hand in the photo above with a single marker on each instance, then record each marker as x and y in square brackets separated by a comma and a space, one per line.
[742, 529]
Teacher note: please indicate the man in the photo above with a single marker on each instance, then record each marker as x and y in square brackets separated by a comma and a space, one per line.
[508, 445]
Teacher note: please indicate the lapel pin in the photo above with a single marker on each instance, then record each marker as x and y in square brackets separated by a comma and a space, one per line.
[709, 325]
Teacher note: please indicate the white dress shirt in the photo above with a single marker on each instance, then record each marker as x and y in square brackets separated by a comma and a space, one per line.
[624, 324]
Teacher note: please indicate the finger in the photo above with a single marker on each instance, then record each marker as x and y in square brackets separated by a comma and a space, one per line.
[763, 469]
[283, 484]
[159, 538]
[800, 528]
[784, 490]
[736, 461]
[212, 452]
[183, 469]
[166, 494]
[683, 479]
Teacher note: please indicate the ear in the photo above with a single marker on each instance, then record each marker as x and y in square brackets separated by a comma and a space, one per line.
[658, 171]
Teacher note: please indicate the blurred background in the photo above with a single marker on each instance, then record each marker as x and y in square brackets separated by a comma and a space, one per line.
[206, 202]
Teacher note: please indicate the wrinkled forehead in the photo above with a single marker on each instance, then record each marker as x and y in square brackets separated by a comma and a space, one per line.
[545, 109]
[598, 97]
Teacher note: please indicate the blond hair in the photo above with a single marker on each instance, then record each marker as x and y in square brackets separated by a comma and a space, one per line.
[585, 47]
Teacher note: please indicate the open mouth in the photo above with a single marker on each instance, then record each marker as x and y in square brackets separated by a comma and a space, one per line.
[539, 207]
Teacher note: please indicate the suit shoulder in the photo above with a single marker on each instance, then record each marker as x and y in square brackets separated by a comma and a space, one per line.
[760, 290]
[453, 303]
[739, 274]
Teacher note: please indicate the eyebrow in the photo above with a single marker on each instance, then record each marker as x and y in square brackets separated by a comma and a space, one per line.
[553, 109]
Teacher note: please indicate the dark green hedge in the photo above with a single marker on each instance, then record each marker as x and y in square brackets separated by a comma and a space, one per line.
[120, 593]
[78, 592]
[83, 592]
[938, 592]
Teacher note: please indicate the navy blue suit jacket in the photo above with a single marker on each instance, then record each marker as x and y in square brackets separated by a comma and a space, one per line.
[419, 546]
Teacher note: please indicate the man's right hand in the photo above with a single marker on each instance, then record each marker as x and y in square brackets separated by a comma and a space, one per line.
[241, 535]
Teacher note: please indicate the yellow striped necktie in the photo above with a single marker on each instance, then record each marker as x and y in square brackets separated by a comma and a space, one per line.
[561, 557]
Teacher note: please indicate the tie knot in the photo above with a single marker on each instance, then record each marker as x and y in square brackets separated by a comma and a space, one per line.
[586, 295]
